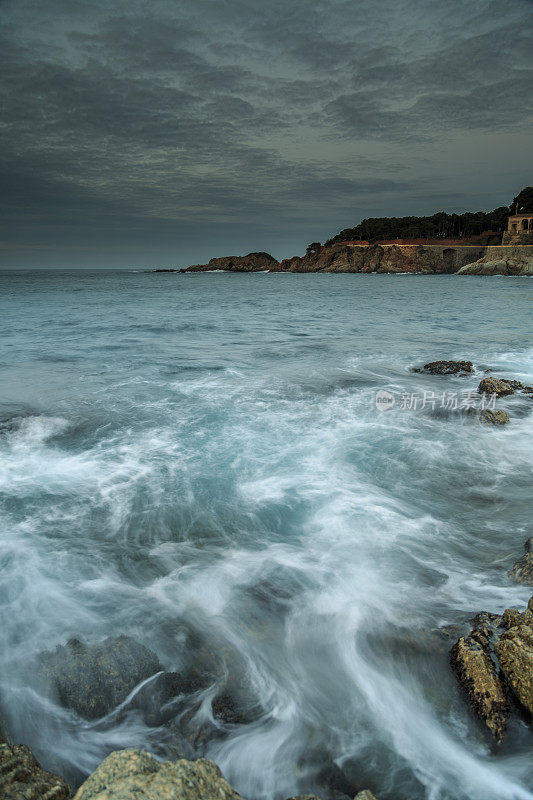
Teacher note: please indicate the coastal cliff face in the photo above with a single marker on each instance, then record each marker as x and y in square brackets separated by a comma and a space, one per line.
[503, 260]
[421, 259]
[425, 259]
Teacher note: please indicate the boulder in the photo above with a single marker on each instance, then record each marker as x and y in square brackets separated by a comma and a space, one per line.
[515, 655]
[498, 386]
[135, 773]
[22, 778]
[522, 570]
[478, 678]
[94, 679]
[489, 417]
[447, 368]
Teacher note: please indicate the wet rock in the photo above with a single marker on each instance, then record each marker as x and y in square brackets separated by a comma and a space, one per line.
[135, 773]
[489, 417]
[498, 386]
[447, 368]
[157, 699]
[515, 655]
[478, 678]
[94, 679]
[225, 709]
[303, 797]
[522, 570]
[21, 777]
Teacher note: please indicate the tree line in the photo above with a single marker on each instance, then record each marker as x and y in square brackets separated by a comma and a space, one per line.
[437, 226]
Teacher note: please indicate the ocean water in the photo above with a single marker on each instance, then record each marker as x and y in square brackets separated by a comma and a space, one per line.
[198, 461]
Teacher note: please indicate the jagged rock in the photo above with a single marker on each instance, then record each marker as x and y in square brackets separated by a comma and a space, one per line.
[94, 679]
[136, 774]
[489, 417]
[515, 655]
[498, 386]
[366, 794]
[478, 678]
[522, 571]
[447, 368]
[253, 262]
[21, 777]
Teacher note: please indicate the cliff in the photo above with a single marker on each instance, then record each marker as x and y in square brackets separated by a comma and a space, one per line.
[502, 260]
[425, 259]
[429, 259]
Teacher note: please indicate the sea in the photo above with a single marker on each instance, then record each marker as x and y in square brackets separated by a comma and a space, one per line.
[246, 465]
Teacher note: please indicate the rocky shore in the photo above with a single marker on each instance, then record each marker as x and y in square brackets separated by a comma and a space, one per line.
[420, 259]
[119, 675]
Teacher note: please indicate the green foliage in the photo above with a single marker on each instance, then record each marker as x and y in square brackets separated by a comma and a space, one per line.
[523, 202]
[437, 226]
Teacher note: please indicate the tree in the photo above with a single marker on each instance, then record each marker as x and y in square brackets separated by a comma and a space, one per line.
[523, 202]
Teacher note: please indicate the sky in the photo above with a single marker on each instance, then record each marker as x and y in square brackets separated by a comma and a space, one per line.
[161, 134]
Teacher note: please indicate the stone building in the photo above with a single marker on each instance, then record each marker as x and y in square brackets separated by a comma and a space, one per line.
[519, 229]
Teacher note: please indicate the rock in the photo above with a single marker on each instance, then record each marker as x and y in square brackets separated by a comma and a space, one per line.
[136, 774]
[447, 368]
[522, 571]
[515, 655]
[489, 417]
[92, 680]
[498, 260]
[366, 794]
[225, 709]
[155, 699]
[253, 262]
[21, 777]
[498, 386]
[303, 797]
[478, 678]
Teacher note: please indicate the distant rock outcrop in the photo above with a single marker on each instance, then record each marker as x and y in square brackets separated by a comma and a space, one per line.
[253, 262]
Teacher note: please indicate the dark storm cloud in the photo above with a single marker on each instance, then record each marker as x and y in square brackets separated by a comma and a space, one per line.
[278, 122]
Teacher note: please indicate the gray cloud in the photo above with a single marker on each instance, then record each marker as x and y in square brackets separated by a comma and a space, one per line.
[234, 124]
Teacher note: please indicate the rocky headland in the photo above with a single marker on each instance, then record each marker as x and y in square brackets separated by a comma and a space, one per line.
[422, 259]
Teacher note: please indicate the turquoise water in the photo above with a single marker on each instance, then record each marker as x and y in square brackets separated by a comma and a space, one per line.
[198, 460]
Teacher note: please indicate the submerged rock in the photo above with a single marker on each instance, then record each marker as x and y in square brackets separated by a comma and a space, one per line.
[136, 774]
[447, 367]
[489, 417]
[498, 386]
[94, 679]
[515, 655]
[366, 794]
[478, 678]
[22, 778]
[522, 570]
